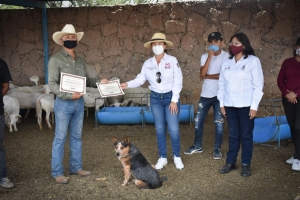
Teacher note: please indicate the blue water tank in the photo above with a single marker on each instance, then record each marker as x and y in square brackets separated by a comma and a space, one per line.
[270, 129]
[138, 115]
[120, 115]
[186, 114]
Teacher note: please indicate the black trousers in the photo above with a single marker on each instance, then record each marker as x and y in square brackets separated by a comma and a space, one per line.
[292, 112]
[2, 151]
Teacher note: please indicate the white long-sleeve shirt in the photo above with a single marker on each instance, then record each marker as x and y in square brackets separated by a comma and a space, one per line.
[210, 86]
[241, 83]
[171, 76]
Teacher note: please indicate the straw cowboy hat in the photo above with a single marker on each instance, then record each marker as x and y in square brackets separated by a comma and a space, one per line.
[158, 37]
[68, 29]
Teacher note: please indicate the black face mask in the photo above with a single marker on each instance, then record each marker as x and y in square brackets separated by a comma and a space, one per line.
[70, 44]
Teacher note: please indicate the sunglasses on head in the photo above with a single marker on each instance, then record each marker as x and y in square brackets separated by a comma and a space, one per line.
[158, 74]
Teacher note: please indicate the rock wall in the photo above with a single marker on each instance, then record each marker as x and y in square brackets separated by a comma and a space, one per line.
[114, 36]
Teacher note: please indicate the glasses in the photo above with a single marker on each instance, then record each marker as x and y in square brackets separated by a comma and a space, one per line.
[158, 74]
[234, 43]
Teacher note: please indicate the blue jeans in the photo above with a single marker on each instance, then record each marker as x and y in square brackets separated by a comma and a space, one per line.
[68, 115]
[240, 128]
[160, 103]
[2, 151]
[203, 108]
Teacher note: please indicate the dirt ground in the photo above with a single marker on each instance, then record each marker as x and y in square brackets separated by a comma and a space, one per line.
[29, 155]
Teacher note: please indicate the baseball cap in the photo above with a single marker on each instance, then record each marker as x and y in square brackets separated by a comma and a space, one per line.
[215, 36]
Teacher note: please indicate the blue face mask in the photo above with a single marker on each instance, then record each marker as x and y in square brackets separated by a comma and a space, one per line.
[213, 47]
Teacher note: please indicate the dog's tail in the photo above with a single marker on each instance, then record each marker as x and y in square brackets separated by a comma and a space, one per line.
[163, 178]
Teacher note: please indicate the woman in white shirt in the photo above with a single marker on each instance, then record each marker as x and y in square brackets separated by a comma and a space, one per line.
[165, 78]
[240, 91]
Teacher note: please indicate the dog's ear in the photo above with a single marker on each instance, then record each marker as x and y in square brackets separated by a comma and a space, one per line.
[114, 139]
[127, 140]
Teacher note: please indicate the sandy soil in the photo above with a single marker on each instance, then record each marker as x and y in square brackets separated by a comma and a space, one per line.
[29, 155]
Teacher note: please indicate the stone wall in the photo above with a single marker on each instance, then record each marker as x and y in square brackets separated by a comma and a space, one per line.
[114, 36]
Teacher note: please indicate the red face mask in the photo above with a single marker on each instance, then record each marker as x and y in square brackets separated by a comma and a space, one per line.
[236, 50]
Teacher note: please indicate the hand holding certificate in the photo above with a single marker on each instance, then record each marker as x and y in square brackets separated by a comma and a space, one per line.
[112, 88]
[71, 83]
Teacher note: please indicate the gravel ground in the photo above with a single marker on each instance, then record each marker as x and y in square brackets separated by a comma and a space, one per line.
[29, 156]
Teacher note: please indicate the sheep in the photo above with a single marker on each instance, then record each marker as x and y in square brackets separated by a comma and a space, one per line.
[136, 96]
[114, 101]
[26, 100]
[12, 86]
[29, 89]
[92, 90]
[45, 102]
[11, 110]
[35, 79]
[92, 100]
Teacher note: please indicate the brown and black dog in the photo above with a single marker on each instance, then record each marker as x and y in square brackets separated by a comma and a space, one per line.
[133, 161]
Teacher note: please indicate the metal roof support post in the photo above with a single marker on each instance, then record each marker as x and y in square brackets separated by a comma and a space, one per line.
[45, 42]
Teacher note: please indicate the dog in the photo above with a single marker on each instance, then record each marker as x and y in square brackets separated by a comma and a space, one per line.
[133, 161]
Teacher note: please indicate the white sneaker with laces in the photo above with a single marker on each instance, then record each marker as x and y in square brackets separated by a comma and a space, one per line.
[5, 182]
[178, 163]
[290, 161]
[161, 163]
[296, 165]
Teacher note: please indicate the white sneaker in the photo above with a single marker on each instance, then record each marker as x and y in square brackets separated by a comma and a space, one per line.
[296, 165]
[161, 163]
[178, 163]
[5, 182]
[290, 161]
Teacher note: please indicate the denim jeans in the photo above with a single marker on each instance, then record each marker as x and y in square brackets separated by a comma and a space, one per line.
[160, 103]
[292, 112]
[203, 108]
[68, 115]
[240, 128]
[2, 151]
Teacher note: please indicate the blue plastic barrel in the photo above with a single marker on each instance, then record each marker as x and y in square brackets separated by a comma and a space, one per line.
[186, 114]
[120, 115]
[270, 129]
[138, 115]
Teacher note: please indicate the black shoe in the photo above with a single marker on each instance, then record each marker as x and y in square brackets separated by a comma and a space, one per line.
[227, 168]
[245, 170]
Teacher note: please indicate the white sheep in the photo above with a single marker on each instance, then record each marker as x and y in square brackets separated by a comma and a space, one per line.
[136, 96]
[26, 100]
[92, 100]
[29, 89]
[35, 79]
[45, 102]
[115, 101]
[11, 110]
[12, 86]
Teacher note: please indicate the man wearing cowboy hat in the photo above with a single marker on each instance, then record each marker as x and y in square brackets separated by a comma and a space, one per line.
[68, 107]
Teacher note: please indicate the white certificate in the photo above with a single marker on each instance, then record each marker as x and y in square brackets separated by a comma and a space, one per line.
[112, 88]
[71, 83]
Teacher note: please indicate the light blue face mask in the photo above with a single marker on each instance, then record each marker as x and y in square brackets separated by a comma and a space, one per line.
[298, 52]
[213, 47]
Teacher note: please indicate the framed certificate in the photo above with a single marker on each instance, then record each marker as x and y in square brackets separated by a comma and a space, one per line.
[112, 88]
[71, 83]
